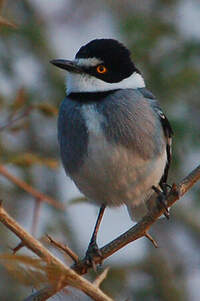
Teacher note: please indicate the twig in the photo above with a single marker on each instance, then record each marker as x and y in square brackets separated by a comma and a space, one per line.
[18, 247]
[5, 22]
[97, 282]
[67, 275]
[151, 239]
[64, 248]
[137, 231]
[141, 228]
[36, 212]
[14, 120]
[188, 182]
[23, 185]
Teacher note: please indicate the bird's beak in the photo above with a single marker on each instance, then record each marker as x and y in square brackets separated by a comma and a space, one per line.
[70, 66]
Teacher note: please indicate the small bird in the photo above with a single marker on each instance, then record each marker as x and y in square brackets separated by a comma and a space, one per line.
[115, 141]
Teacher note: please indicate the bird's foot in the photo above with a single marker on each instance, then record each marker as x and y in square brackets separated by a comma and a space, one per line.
[162, 198]
[92, 252]
[165, 188]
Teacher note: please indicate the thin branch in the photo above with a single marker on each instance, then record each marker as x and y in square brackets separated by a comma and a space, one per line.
[64, 248]
[137, 231]
[141, 228]
[18, 247]
[5, 22]
[36, 212]
[98, 281]
[12, 121]
[187, 183]
[150, 238]
[28, 188]
[67, 275]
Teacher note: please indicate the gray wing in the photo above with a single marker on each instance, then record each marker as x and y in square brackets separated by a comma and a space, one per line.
[168, 132]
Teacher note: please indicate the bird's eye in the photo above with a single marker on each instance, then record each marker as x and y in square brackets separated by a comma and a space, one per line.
[101, 69]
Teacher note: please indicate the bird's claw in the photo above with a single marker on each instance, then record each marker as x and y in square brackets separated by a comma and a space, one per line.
[92, 252]
[162, 198]
[165, 188]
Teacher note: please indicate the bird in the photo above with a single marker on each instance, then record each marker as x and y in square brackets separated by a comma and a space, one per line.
[115, 141]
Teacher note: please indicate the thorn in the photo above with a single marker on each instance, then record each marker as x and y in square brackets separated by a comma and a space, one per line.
[151, 239]
[64, 248]
[97, 282]
[18, 247]
[175, 190]
[174, 186]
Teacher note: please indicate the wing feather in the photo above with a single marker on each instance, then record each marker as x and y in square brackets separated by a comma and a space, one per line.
[168, 132]
[168, 135]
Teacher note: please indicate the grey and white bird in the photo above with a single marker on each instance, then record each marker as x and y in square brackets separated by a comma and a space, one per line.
[115, 141]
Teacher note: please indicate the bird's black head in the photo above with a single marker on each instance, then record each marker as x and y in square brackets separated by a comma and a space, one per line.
[113, 62]
[99, 66]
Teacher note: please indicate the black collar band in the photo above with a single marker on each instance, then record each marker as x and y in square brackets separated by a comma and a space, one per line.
[86, 97]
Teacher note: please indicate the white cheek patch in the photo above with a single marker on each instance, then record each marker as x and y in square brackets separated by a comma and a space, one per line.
[82, 82]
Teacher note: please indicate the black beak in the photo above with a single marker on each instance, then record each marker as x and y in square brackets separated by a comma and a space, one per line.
[70, 66]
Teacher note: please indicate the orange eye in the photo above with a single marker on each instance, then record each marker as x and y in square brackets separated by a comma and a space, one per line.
[101, 69]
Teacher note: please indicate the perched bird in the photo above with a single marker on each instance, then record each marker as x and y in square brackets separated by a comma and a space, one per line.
[115, 141]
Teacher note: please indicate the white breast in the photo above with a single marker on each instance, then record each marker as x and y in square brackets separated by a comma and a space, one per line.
[93, 119]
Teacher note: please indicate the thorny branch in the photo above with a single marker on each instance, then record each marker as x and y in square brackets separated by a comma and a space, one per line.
[142, 227]
[81, 267]
[66, 275]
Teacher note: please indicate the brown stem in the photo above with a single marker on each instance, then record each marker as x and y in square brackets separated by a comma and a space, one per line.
[66, 276]
[64, 248]
[140, 229]
[137, 231]
[34, 192]
[14, 120]
[36, 212]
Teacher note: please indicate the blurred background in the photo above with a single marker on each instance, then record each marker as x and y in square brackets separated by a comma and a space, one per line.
[164, 39]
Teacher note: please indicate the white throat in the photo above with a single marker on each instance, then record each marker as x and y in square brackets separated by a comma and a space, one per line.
[82, 82]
